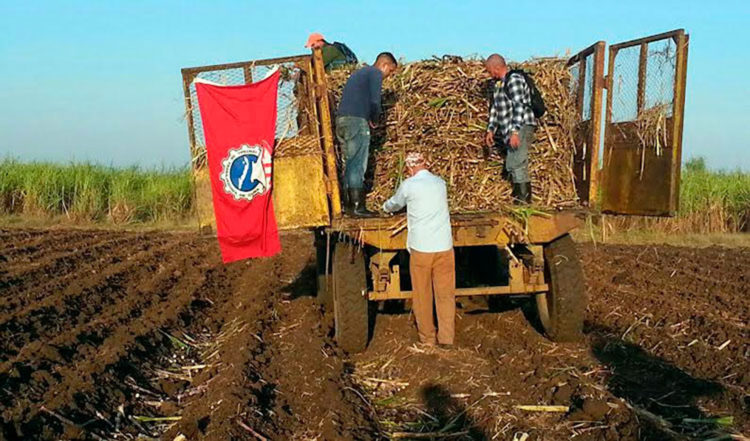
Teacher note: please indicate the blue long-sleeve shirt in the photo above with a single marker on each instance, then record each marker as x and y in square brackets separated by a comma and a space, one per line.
[361, 96]
[428, 219]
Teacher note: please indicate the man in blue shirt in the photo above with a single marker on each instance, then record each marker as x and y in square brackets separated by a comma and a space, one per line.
[358, 112]
[430, 244]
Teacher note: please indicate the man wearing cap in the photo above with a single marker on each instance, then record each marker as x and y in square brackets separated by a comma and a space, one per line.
[334, 54]
[430, 244]
[358, 112]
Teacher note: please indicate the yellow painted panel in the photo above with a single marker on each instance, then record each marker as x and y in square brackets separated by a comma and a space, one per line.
[299, 193]
[204, 200]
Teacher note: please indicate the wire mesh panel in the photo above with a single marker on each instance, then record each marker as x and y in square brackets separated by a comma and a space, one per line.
[296, 122]
[660, 75]
[588, 87]
[625, 85]
[586, 71]
[643, 130]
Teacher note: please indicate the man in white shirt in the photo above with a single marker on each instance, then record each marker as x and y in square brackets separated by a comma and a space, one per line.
[430, 243]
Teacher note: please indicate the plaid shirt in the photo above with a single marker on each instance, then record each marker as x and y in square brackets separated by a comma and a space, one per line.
[510, 113]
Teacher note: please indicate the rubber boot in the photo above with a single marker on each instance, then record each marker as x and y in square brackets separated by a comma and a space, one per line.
[522, 193]
[346, 202]
[517, 195]
[357, 201]
[527, 193]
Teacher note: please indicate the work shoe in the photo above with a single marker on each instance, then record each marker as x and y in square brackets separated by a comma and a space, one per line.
[357, 202]
[445, 346]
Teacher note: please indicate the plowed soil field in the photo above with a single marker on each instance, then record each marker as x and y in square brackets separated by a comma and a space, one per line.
[123, 335]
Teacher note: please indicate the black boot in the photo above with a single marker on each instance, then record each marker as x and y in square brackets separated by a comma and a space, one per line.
[357, 202]
[527, 192]
[516, 195]
[522, 193]
[346, 202]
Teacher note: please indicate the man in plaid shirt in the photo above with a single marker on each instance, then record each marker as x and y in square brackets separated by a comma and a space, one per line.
[512, 123]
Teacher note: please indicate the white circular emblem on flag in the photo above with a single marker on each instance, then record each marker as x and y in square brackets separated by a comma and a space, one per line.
[246, 171]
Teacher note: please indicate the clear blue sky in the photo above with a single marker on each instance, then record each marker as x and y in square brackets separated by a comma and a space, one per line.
[100, 80]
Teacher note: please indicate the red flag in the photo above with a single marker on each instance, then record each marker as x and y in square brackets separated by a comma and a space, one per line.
[239, 124]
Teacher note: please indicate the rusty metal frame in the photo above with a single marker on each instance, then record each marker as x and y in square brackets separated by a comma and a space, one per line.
[593, 140]
[326, 128]
[386, 280]
[241, 64]
[463, 292]
[681, 40]
[468, 229]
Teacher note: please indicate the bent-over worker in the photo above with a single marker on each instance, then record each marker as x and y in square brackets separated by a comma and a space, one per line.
[334, 54]
[512, 119]
[430, 244]
[358, 112]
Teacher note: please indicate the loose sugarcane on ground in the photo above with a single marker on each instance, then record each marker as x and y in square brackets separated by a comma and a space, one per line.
[440, 107]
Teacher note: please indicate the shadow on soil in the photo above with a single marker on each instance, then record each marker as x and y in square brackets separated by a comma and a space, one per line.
[662, 394]
[448, 415]
[305, 285]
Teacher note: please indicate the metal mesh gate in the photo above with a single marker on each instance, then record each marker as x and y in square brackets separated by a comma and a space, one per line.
[296, 121]
[643, 131]
[586, 72]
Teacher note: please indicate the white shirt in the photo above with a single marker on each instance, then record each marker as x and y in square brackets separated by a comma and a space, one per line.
[428, 218]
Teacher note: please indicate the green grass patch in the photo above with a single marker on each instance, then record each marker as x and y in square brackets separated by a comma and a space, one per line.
[88, 192]
[716, 196]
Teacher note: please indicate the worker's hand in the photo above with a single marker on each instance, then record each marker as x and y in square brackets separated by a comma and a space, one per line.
[372, 125]
[515, 140]
[489, 138]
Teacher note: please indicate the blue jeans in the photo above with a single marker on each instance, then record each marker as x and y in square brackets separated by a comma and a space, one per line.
[517, 160]
[353, 134]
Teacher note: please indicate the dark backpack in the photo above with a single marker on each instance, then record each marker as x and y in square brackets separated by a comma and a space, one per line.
[537, 102]
[348, 54]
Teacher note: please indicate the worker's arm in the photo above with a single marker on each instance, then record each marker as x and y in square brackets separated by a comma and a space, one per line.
[376, 83]
[517, 88]
[397, 201]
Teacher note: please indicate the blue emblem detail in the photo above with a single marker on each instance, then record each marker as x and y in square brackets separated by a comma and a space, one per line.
[241, 172]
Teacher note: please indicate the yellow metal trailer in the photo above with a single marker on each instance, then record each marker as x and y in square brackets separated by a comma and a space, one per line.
[364, 261]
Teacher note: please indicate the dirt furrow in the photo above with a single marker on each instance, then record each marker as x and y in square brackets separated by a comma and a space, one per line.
[70, 381]
[63, 240]
[14, 237]
[92, 263]
[24, 276]
[153, 281]
[80, 301]
[244, 316]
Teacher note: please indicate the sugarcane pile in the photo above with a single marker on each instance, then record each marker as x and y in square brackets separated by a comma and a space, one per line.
[439, 107]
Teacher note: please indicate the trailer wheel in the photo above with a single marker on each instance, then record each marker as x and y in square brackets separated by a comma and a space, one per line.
[323, 271]
[562, 308]
[350, 304]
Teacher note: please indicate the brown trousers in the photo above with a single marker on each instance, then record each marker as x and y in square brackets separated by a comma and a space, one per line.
[434, 272]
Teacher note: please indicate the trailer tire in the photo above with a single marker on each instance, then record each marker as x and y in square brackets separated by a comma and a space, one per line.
[562, 308]
[350, 303]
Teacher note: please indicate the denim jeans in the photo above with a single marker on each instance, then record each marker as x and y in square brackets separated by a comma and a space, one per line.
[517, 160]
[353, 134]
